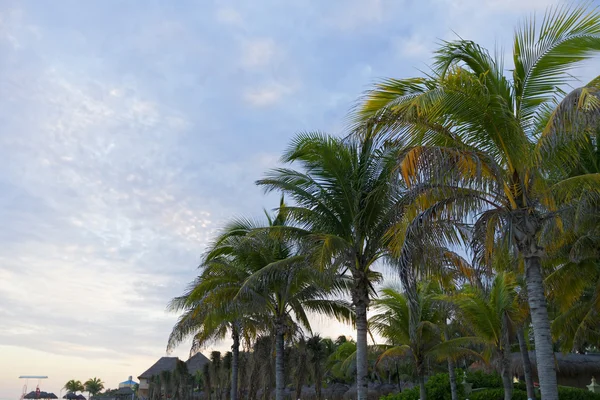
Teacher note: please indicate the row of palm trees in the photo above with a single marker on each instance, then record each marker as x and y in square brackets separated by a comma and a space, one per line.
[93, 386]
[483, 184]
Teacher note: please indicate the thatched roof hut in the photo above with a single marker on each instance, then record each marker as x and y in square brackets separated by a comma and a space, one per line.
[196, 363]
[163, 364]
[572, 369]
[42, 395]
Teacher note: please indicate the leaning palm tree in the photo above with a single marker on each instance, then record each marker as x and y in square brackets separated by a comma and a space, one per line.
[94, 386]
[347, 197]
[481, 144]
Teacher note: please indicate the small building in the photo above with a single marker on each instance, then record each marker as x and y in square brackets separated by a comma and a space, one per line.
[163, 364]
[575, 370]
[129, 383]
[194, 364]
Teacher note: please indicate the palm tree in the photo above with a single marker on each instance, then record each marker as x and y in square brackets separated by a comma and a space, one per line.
[347, 197]
[284, 286]
[394, 323]
[492, 316]
[257, 270]
[210, 307]
[483, 144]
[74, 386]
[94, 386]
[318, 351]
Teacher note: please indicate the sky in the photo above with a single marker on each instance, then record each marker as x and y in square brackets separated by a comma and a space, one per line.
[131, 131]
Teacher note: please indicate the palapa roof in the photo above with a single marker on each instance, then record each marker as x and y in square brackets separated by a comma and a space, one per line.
[163, 364]
[196, 363]
[568, 364]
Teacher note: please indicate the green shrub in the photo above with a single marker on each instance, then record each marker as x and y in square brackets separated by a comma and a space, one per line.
[438, 387]
[496, 394]
[480, 379]
[569, 393]
[408, 394]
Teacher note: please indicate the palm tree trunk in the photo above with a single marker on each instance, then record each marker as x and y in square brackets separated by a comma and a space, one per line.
[318, 380]
[422, 390]
[526, 363]
[505, 359]
[361, 351]
[544, 351]
[452, 375]
[451, 371]
[235, 356]
[279, 366]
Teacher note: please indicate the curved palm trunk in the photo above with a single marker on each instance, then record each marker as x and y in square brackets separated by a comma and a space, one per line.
[544, 351]
[505, 360]
[235, 357]
[526, 363]
[279, 364]
[361, 352]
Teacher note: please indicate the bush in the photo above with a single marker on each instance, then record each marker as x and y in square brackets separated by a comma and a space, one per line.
[438, 387]
[496, 394]
[480, 379]
[569, 393]
[408, 394]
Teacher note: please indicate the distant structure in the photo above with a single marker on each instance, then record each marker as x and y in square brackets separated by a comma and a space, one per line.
[129, 383]
[194, 364]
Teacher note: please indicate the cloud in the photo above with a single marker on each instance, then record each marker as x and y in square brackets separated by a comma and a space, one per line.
[258, 52]
[268, 94]
[229, 16]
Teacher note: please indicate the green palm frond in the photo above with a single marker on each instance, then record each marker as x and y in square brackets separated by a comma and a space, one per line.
[566, 36]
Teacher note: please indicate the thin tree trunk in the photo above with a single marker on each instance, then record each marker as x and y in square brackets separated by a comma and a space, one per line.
[398, 378]
[235, 357]
[361, 351]
[452, 375]
[451, 371]
[544, 351]
[318, 380]
[279, 362]
[422, 391]
[526, 363]
[505, 359]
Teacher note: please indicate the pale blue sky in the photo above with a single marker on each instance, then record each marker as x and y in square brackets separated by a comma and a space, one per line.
[129, 131]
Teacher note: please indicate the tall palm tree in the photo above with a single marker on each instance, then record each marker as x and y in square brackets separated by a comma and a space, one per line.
[285, 287]
[394, 323]
[211, 308]
[318, 351]
[489, 146]
[492, 316]
[270, 275]
[346, 199]
[74, 386]
[94, 386]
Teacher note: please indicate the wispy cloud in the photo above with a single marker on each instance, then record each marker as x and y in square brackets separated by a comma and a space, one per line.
[268, 94]
[258, 52]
